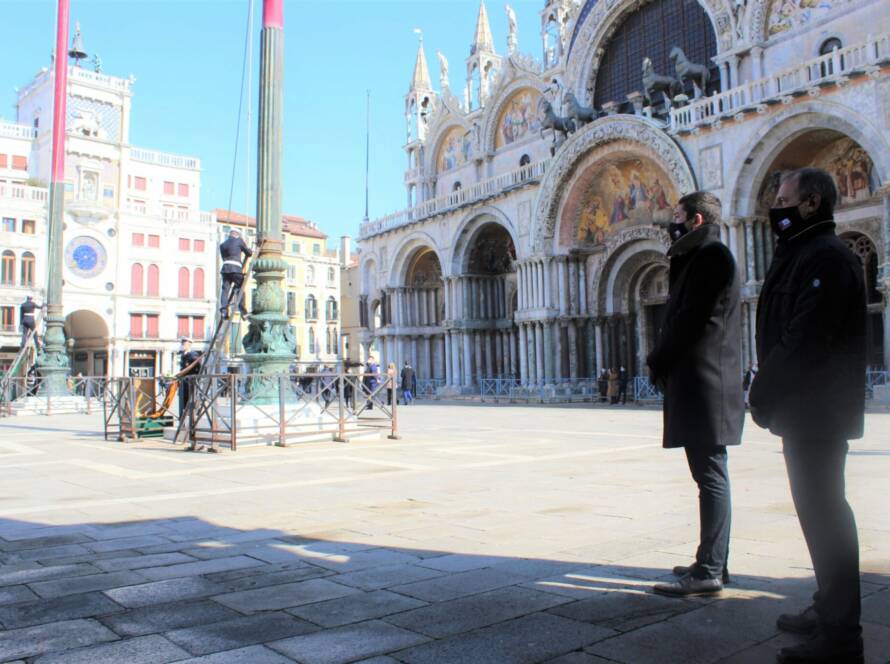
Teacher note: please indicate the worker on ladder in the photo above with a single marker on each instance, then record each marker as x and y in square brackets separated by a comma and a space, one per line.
[232, 272]
[189, 365]
[28, 315]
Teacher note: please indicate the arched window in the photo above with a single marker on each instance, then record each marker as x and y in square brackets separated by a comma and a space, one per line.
[311, 341]
[331, 309]
[475, 88]
[828, 47]
[491, 73]
[412, 120]
[524, 160]
[412, 196]
[311, 308]
[551, 43]
[183, 282]
[154, 278]
[310, 275]
[456, 186]
[136, 279]
[652, 32]
[8, 273]
[198, 285]
[27, 269]
[332, 275]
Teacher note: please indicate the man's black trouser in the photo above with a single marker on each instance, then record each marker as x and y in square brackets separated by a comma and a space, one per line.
[27, 328]
[228, 283]
[711, 473]
[185, 392]
[816, 475]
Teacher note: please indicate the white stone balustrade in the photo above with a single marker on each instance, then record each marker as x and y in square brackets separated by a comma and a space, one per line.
[165, 159]
[471, 194]
[22, 192]
[823, 70]
[11, 130]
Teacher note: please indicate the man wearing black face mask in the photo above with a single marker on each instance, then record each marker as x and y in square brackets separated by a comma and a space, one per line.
[810, 390]
[696, 364]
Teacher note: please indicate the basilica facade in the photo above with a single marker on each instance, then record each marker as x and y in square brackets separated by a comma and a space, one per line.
[533, 242]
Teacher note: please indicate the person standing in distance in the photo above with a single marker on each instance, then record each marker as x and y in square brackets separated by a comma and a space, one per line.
[810, 391]
[696, 364]
[27, 314]
[232, 271]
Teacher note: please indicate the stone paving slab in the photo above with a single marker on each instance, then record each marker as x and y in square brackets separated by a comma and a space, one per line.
[165, 617]
[142, 650]
[59, 636]
[9, 576]
[56, 609]
[16, 594]
[384, 577]
[140, 561]
[85, 584]
[347, 644]
[248, 655]
[162, 592]
[355, 608]
[284, 596]
[239, 632]
[199, 567]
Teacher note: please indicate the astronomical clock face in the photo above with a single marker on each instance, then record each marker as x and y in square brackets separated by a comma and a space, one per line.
[85, 256]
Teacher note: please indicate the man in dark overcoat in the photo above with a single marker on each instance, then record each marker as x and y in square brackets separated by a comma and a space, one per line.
[232, 272]
[696, 364]
[810, 390]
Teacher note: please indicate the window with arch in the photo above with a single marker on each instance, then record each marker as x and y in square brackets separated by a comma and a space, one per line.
[310, 275]
[183, 282]
[524, 160]
[7, 275]
[311, 308]
[828, 47]
[412, 196]
[331, 309]
[332, 276]
[327, 342]
[198, 283]
[491, 73]
[136, 279]
[311, 340]
[652, 31]
[475, 88]
[154, 280]
[456, 186]
[27, 269]
[412, 120]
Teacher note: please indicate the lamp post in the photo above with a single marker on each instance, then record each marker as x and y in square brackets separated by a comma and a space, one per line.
[52, 361]
[269, 344]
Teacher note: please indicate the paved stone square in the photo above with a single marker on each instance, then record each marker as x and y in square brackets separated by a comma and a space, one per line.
[486, 534]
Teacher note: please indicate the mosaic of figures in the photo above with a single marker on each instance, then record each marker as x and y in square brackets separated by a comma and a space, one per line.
[426, 271]
[519, 118]
[627, 192]
[493, 251]
[844, 158]
[455, 150]
[787, 15]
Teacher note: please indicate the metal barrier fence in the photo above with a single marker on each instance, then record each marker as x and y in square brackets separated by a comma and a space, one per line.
[875, 378]
[21, 395]
[136, 408]
[428, 388]
[281, 409]
[497, 387]
[644, 391]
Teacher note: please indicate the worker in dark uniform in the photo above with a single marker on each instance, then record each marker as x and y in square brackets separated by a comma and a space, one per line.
[28, 315]
[232, 272]
[189, 365]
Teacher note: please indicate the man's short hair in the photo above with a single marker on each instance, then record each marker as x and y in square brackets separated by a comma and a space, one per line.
[234, 232]
[812, 181]
[185, 340]
[704, 203]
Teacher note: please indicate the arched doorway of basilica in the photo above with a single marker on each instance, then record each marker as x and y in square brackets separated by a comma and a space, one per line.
[87, 336]
[859, 215]
[482, 335]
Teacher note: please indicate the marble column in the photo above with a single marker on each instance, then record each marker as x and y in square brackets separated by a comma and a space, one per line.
[749, 252]
[573, 350]
[598, 339]
[582, 284]
[733, 71]
[514, 360]
[468, 359]
[562, 286]
[756, 64]
[446, 352]
[886, 332]
[499, 353]
[768, 246]
[441, 357]
[558, 351]
[478, 370]
[590, 348]
[548, 286]
[539, 353]
[574, 307]
[759, 266]
[455, 358]
[548, 351]
[523, 355]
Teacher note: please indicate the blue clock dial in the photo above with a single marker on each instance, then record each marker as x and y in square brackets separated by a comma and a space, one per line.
[85, 256]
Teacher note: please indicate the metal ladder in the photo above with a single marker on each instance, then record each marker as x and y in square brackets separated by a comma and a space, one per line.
[211, 360]
[24, 356]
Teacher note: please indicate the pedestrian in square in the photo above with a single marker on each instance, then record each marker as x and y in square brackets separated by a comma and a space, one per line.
[810, 390]
[602, 385]
[622, 385]
[613, 386]
[407, 383]
[696, 365]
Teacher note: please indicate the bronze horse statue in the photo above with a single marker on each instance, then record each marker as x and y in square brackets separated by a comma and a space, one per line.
[653, 83]
[689, 71]
[550, 120]
[579, 114]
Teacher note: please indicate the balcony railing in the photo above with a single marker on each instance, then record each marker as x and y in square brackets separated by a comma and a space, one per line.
[472, 194]
[810, 74]
[165, 159]
[23, 192]
[87, 76]
[10, 130]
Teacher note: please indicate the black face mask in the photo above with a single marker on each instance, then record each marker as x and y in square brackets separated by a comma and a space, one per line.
[785, 221]
[677, 230]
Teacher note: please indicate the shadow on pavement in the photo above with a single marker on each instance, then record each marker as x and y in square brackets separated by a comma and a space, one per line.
[180, 589]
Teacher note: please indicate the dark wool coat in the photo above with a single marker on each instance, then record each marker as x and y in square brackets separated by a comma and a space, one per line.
[811, 339]
[696, 361]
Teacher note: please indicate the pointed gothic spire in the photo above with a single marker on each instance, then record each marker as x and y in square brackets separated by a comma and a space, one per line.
[482, 40]
[421, 78]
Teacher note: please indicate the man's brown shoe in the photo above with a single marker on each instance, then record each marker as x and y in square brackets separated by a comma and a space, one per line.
[689, 586]
[684, 570]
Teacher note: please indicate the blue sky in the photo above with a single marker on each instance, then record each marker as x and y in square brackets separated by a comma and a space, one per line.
[187, 55]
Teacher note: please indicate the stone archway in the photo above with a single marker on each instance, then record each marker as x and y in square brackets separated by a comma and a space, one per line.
[88, 342]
